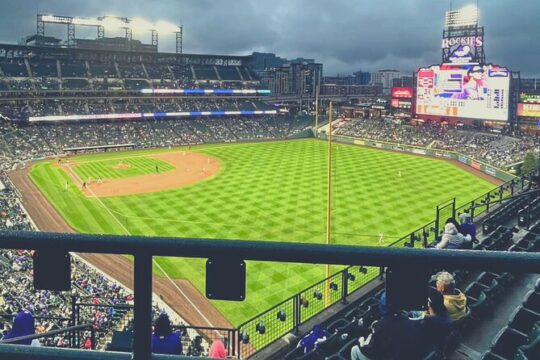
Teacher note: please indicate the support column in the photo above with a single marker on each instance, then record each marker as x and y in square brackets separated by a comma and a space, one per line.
[142, 340]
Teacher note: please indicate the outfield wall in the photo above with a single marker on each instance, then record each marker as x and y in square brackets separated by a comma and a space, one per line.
[418, 150]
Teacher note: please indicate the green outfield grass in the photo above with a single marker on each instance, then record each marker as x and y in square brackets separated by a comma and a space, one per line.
[269, 191]
[112, 168]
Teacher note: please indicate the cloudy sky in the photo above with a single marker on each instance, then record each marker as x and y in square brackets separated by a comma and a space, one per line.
[345, 35]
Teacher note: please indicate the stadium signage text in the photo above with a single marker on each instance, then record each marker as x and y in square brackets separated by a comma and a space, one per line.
[530, 98]
[402, 92]
[148, 115]
[529, 110]
[472, 41]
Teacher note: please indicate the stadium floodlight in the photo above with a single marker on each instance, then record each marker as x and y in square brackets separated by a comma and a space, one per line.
[139, 25]
[85, 21]
[466, 16]
[164, 27]
[112, 22]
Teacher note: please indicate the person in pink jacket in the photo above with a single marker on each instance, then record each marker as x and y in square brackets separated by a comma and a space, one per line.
[217, 350]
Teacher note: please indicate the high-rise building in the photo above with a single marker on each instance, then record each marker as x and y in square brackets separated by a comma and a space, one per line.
[530, 84]
[385, 78]
[262, 61]
[362, 77]
[305, 77]
[277, 80]
[403, 81]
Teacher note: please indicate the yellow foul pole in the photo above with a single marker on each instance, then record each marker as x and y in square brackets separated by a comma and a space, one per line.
[317, 110]
[329, 201]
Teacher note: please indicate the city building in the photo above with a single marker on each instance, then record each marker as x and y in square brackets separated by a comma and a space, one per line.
[277, 80]
[305, 77]
[262, 61]
[385, 78]
[362, 77]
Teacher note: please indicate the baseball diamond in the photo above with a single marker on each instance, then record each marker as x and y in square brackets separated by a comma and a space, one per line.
[258, 191]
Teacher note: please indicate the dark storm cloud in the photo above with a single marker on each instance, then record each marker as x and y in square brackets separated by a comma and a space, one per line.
[345, 35]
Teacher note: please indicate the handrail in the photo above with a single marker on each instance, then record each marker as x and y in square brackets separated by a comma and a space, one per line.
[116, 306]
[18, 352]
[47, 334]
[60, 318]
[272, 251]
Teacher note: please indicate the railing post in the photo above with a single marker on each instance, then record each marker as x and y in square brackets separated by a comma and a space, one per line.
[73, 319]
[344, 285]
[437, 223]
[78, 315]
[93, 337]
[381, 273]
[473, 207]
[296, 314]
[528, 211]
[142, 339]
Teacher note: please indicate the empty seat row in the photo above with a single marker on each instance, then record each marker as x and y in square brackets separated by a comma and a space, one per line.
[520, 339]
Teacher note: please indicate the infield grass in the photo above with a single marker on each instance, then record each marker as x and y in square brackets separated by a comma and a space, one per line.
[272, 191]
[120, 168]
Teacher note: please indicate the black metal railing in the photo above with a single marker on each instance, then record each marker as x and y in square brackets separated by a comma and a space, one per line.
[83, 312]
[304, 305]
[144, 248]
[50, 334]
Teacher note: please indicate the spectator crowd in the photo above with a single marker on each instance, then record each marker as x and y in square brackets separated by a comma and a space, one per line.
[497, 149]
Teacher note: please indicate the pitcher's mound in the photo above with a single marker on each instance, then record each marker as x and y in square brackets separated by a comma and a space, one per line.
[121, 166]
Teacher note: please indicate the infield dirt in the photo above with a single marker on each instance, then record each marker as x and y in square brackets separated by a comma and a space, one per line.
[190, 168]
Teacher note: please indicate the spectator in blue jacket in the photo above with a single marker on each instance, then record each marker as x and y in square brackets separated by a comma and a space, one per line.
[23, 325]
[467, 226]
[164, 340]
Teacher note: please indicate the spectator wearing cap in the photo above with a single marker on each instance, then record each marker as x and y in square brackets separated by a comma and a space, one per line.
[452, 239]
[454, 300]
[164, 340]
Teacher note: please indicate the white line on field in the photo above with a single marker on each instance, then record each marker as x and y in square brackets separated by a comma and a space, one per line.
[155, 263]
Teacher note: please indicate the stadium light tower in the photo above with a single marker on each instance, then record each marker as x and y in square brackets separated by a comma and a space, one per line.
[463, 38]
[466, 16]
[103, 23]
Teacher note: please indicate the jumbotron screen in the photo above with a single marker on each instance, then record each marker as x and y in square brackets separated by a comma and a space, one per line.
[471, 91]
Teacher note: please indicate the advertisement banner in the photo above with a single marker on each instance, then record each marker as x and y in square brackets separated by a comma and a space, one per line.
[476, 165]
[401, 104]
[529, 110]
[490, 171]
[463, 159]
[529, 98]
[418, 151]
[403, 92]
[359, 142]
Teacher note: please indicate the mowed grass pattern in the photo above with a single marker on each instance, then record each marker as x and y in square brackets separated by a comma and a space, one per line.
[277, 192]
[111, 169]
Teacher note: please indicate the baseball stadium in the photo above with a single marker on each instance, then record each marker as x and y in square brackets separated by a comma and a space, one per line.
[166, 205]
